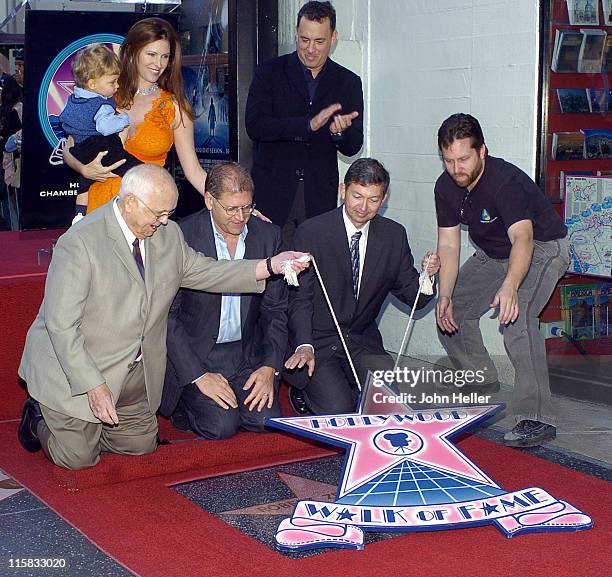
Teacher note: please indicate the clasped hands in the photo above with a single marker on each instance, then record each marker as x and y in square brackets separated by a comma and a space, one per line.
[339, 123]
[261, 384]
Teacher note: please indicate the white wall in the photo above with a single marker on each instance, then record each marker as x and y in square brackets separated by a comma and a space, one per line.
[420, 61]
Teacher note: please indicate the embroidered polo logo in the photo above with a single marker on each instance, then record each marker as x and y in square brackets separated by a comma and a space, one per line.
[485, 217]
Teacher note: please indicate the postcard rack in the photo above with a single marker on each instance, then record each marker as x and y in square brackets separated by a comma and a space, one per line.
[575, 157]
[576, 115]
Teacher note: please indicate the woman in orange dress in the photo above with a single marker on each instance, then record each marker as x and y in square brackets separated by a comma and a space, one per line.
[151, 92]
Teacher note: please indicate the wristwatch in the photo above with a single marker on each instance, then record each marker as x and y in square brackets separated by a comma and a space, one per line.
[269, 266]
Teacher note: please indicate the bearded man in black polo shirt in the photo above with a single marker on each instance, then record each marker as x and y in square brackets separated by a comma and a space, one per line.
[522, 251]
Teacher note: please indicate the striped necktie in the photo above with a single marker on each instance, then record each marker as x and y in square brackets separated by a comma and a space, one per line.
[355, 261]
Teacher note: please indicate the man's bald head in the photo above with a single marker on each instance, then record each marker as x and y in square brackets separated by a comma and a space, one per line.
[145, 180]
[147, 197]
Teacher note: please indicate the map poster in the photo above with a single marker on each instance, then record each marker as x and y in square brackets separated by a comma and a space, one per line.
[588, 216]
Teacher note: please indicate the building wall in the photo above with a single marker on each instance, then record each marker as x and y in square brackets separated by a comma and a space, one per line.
[420, 61]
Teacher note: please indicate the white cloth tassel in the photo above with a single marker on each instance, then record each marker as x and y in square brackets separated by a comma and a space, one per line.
[426, 283]
[290, 275]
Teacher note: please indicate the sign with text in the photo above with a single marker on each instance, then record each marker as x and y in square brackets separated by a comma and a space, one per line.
[402, 473]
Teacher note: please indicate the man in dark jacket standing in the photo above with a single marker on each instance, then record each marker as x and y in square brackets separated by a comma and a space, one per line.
[302, 109]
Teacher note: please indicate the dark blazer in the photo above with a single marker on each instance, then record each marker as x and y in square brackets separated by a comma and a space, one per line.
[388, 268]
[277, 114]
[193, 321]
[97, 313]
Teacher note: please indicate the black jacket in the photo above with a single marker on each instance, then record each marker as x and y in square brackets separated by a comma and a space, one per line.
[193, 322]
[277, 116]
[388, 268]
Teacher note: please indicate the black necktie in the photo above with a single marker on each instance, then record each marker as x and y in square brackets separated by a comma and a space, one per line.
[138, 257]
[355, 261]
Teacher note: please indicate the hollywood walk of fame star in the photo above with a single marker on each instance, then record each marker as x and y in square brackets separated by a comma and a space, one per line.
[366, 458]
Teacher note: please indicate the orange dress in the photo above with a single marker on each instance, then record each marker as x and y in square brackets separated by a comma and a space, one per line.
[151, 142]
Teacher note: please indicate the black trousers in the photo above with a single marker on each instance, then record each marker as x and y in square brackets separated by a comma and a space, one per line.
[211, 421]
[332, 388]
[89, 148]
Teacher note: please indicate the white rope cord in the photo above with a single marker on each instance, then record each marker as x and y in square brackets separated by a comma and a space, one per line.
[331, 310]
[401, 349]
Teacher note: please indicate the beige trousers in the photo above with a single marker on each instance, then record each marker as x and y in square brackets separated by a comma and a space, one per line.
[76, 444]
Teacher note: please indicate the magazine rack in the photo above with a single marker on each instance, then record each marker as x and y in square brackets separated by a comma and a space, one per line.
[575, 104]
[576, 150]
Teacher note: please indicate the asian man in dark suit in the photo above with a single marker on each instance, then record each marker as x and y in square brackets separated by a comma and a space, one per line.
[225, 351]
[362, 257]
[302, 109]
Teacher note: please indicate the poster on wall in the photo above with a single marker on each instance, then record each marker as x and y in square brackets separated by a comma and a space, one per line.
[49, 187]
[206, 78]
[206, 86]
[588, 217]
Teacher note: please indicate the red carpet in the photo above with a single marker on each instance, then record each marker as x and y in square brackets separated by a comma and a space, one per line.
[22, 281]
[19, 303]
[153, 531]
[125, 505]
[20, 253]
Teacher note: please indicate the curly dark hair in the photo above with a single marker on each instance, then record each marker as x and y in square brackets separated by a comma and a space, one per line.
[318, 11]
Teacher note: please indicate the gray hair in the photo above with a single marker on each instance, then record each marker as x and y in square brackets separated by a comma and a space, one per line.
[145, 179]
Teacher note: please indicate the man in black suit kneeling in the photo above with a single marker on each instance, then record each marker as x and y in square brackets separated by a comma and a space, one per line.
[225, 351]
[362, 257]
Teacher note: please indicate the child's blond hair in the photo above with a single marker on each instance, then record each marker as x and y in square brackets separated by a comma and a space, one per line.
[94, 61]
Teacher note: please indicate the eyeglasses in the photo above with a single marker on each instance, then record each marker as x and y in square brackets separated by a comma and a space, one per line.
[233, 210]
[157, 215]
[462, 211]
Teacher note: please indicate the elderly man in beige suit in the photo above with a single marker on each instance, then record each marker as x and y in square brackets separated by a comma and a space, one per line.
[95, 356]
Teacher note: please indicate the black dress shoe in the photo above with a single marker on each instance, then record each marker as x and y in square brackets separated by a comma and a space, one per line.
[298, 401]
[180, 421]
[26, 433]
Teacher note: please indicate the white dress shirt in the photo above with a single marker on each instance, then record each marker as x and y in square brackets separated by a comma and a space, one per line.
[130, 237]
[363, 241]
